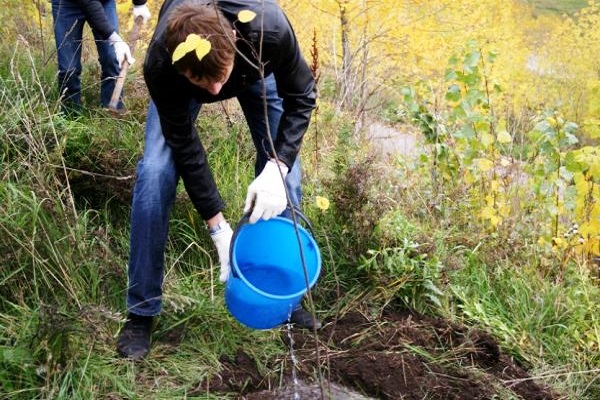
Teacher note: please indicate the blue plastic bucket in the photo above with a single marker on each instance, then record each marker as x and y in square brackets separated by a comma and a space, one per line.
[268, 279]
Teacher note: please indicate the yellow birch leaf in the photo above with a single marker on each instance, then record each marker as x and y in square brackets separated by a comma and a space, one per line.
[487, 212]
[245, 16]
[504, 211]
[483, 164]
[469, 178]
[486, 140]
[202, 49]
[192, 42]
[495, 220]
[504, 137]
[181, 50]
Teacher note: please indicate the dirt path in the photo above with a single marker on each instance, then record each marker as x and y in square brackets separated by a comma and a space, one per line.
[391, 141]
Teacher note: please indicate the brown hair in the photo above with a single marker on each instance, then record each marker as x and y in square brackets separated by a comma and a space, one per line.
[206, 20]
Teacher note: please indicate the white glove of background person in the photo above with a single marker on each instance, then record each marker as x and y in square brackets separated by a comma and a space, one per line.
[121, 49]
[266, 194]
[222, 241]
[141, 11]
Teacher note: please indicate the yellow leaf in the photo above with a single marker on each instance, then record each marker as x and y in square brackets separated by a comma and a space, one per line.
[488, 212]
[469, 178]
[504, 211]
[202, 49]
[322, 203]
[495, 185]
[192, 42]
[487, 140]
[483, 164]
[559, 242]
[245, 16]
[504, 137]
[551, 121]
[495, 220]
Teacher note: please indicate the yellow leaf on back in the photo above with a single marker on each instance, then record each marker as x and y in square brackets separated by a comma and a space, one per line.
[182, 49]
[246, 16]
[192, 42]
[202, 49]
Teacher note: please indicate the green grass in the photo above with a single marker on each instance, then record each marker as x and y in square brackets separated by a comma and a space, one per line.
[538, 320]
[558, 6]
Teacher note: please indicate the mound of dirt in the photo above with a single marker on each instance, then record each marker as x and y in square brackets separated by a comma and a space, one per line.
[397, 356]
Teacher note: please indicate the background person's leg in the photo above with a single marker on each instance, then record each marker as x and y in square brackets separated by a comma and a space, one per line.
[252, 105]
[108, 59]
[68, 31]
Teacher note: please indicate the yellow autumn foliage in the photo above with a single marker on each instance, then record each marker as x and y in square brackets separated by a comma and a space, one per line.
[550, 59]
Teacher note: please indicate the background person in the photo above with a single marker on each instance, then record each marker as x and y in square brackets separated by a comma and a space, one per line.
[192, 60]
[69, 18]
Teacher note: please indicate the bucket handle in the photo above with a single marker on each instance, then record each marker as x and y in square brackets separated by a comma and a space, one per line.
[246, 217]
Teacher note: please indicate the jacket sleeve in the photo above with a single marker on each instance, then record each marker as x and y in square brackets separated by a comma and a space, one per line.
[94, 14]
[296, 86]
[172, 99]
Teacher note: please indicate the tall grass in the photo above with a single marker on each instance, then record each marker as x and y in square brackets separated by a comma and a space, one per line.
[64, 249]
[550, 326]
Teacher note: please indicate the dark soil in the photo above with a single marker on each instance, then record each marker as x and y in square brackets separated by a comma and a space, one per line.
[397, 356]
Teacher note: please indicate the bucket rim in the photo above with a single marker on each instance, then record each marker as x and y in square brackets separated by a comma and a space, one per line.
[303, 231]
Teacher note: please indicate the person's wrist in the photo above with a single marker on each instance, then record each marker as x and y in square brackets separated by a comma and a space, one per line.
[280, 164]
[221, 226]
[114, 37]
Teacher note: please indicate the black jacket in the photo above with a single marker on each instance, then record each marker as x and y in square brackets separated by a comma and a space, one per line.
[95, 16]
[172, 92]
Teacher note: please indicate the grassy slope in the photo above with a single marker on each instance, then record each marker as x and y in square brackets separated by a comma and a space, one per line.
[558, 6]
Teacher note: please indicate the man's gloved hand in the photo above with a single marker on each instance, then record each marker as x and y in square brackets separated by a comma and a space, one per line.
[222, 241]
[121, 49]
[266, 194]
[141, 11]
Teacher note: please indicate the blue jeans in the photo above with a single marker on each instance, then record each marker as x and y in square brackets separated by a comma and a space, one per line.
[68, 31]
[155, 189]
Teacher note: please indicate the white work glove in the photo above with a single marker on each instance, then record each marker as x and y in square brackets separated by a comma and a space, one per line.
[121, 49]
[141, 11]
[266, 194]
[222, 241]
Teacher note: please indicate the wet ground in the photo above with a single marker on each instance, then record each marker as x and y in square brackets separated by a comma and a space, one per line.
[401, 355]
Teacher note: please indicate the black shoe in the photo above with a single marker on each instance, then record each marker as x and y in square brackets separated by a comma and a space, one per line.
[134, 338]
[304, 319]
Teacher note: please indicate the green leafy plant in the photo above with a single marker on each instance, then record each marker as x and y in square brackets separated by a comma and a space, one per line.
[402, 273]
